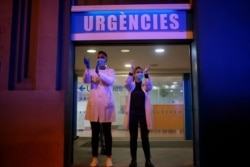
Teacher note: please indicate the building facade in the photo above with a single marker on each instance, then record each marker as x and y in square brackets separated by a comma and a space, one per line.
[37, 71]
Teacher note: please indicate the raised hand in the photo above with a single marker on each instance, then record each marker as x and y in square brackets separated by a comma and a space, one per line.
[145, 71]
[86, 62]
[132, 63]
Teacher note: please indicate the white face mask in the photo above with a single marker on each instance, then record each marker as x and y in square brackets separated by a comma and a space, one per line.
[139, 76]
[101, 62]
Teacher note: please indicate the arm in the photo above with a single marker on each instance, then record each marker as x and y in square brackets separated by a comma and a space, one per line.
[129, 82]
[108, 78]
[147, 81]
[86, 74]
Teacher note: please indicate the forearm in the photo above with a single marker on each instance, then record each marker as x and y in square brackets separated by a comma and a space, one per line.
[107, 77]
[86, 76]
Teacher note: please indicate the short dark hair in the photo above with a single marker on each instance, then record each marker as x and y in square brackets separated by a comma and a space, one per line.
[102, 52]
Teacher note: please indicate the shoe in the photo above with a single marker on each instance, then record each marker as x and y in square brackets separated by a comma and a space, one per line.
[94, 162]
[133, 163]
[108, 162]
[148, 164]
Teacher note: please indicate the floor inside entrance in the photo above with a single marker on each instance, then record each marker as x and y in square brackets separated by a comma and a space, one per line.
[124, 133]
[168, 149]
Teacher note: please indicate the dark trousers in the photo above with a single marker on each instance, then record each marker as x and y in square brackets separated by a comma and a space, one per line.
[96, 130]
[136, 118]
[102, 139]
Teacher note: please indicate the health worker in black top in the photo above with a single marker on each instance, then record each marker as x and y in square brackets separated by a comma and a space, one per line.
[138, 112]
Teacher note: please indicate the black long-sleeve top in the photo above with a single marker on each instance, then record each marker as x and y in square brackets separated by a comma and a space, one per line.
[137, 102]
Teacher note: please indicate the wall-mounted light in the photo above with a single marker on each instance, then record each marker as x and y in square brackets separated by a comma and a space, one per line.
[166, 86]
[155, 87]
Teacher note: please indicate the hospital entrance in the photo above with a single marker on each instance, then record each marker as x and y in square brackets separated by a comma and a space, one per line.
[169, 65]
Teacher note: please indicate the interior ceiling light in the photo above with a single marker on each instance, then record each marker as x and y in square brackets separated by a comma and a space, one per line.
[127, 65]
[159, 50]
[91, 51]
[125, 50]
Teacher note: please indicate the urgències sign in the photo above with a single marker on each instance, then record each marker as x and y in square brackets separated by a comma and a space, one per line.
[129, 24]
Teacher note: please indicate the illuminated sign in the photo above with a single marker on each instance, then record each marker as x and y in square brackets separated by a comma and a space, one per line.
[129, 24]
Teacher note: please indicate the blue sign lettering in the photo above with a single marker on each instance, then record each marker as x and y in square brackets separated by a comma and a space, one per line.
[81, 88]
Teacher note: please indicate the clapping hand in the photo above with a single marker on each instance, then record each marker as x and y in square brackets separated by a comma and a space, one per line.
[86, 62]
[132, 63]
[145, 71]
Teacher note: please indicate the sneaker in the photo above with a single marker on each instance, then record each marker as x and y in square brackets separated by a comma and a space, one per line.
[108, 162]
[94, 162]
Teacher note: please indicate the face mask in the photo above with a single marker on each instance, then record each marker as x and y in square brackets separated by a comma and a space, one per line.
[101, 62]
[139, 76]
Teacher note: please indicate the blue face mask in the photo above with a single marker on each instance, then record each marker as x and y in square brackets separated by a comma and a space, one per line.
[101, 62]
[139, 76]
